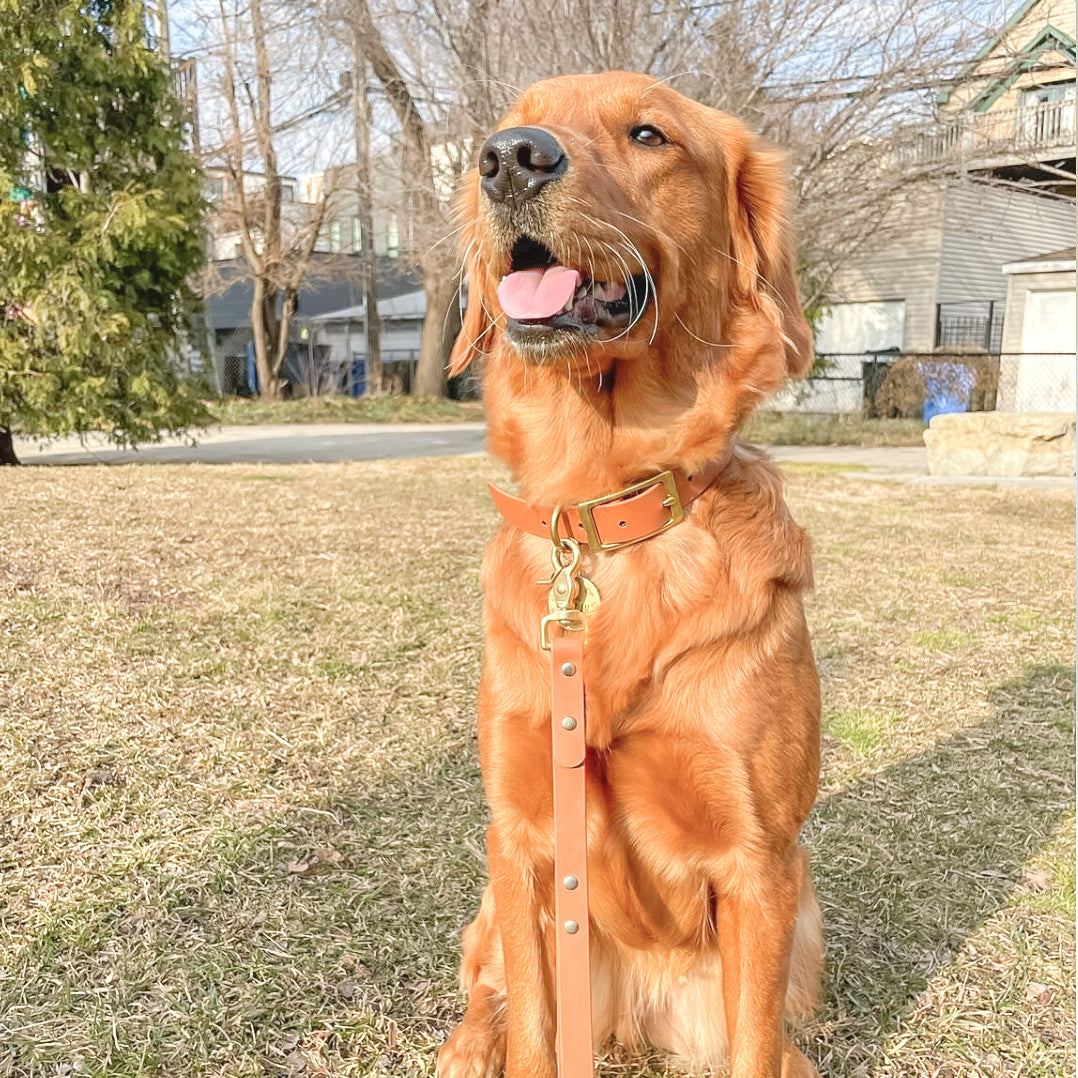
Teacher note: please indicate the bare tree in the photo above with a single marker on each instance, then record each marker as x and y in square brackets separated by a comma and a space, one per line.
[277, 247]
[832, 81]
[421, 199]
[361, 122]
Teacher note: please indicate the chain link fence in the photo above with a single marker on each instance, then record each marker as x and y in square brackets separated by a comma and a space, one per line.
[920, 385]
[875, 385]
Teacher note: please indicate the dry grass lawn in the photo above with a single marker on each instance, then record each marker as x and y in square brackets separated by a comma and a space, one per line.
[240, 814]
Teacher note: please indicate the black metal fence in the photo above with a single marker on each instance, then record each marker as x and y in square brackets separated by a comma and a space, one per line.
[891, 385]
[976, 324]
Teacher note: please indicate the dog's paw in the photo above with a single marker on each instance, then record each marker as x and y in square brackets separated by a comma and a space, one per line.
[795, 1064]
[472, 1052]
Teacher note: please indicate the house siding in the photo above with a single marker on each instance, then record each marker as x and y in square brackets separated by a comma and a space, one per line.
[986, 225]
[905, 268]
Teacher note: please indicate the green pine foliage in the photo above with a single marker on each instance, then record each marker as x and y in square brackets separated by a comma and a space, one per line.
[93, 268]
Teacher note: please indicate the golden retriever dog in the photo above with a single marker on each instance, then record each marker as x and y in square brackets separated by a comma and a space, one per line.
[632, 291]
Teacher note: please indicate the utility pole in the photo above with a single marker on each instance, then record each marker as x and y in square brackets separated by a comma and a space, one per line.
[361, 111]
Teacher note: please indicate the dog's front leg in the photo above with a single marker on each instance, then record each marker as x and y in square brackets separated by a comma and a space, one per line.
[526, 948]
[756, 929]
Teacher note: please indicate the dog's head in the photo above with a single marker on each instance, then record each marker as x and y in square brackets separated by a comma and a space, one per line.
[610, 214]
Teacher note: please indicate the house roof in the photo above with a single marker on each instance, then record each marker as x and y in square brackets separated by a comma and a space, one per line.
[321, 292]
[1048, 40]
[1053, 261]
[409, 305]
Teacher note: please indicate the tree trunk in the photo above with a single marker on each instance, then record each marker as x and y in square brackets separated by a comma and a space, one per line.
[7, 447]
[439, 330]
[361, 109]
[284, 328]
[264, 333]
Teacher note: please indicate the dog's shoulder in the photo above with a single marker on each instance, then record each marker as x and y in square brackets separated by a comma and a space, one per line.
[749, 513]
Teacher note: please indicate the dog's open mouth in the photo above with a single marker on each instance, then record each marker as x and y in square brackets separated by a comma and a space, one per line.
[540, 295]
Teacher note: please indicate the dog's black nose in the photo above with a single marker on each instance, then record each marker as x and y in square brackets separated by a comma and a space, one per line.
[516, 164]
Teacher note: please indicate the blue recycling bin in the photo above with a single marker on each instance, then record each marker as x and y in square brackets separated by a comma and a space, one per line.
[357, 383]
[252, 369]
[948, 387]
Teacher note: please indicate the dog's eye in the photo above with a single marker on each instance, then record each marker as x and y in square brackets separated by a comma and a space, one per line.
[647, 135]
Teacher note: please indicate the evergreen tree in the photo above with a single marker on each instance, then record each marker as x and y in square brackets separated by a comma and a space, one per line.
[100, 226]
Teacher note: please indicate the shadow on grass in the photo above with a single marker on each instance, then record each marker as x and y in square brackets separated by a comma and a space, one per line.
[349, 965]
[911, 861]
[321, 940]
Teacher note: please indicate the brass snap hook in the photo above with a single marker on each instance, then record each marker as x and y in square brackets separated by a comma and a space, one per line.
[566, 552]
[555, 519]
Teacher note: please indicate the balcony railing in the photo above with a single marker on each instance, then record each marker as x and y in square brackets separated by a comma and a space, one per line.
[1034, 133]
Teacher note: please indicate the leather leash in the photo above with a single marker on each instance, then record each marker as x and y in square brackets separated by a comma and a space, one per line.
[574, 1044]
[628, 516]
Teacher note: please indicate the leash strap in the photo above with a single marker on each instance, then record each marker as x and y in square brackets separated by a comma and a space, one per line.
[573, 952]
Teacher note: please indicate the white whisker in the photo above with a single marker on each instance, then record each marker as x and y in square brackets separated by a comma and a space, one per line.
[710, 344]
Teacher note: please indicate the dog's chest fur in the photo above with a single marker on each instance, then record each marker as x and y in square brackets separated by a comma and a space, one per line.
[720, 603]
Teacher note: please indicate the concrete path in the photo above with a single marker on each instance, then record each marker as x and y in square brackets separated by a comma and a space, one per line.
[904, 464]
[300, 443]
[292, 443]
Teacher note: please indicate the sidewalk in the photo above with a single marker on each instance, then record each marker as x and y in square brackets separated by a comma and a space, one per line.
[903, 464]
[328, 442]
[271, 443]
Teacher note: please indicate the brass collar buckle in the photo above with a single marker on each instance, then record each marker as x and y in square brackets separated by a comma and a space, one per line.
[672, 501]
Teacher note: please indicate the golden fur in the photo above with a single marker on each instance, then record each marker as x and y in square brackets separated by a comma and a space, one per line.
[703, 705]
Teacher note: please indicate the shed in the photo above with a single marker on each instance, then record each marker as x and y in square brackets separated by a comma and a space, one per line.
[1037, 368]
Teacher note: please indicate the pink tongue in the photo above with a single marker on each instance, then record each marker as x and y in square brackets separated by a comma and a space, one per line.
[537, 293]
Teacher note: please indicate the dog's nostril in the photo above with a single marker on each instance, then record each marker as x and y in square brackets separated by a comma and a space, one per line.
[489, 165]
[536, 158]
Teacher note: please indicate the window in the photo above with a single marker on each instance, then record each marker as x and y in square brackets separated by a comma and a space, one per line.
[335, 236]
[1046, 115]
[1046, 95]
[357, 235]
[393, 238]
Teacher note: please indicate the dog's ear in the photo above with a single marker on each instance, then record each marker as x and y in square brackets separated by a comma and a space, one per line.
[763, 246]
[476, 324]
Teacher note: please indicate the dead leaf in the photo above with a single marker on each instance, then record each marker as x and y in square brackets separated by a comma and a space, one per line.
[1037, 879]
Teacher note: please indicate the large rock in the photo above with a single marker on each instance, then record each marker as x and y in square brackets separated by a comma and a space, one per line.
[1001, 444]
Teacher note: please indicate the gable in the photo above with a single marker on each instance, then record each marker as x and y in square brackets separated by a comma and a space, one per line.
[1029, 59]
[1030, 41]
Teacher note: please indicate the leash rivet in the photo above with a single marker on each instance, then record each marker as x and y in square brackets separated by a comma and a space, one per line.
[571, 883]
[568, 669]
[569, 722]
[572, 927]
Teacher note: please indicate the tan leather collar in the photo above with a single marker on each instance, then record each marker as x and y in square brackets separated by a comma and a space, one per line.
[627, 516]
